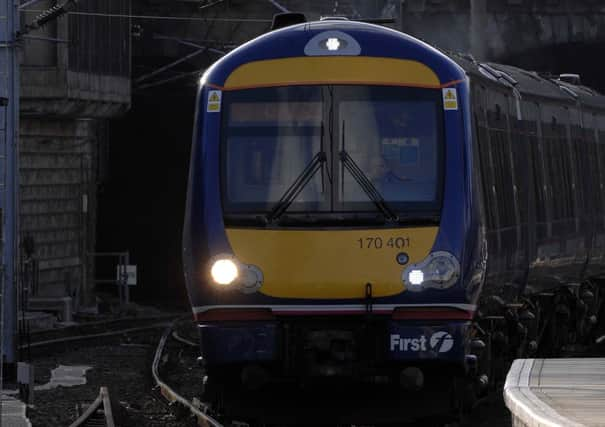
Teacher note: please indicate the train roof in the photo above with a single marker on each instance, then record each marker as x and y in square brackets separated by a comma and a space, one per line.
[374, 41]
[379, 41]
[529, 82]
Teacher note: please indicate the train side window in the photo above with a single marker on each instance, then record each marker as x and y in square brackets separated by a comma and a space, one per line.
[478, 182]
[570, 158]
[591, 139]
[588, 177]
[599, 125]
[580, 159]
[554, 139]
[537, 163]
[487, 169]
[500, 150]
[560, 133]
[519, 130]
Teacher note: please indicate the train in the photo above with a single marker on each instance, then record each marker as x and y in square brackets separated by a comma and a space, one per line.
[363, 206]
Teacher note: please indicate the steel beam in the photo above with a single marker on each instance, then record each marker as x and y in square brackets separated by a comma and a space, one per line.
[28, 3]
[279, 6]
[9, 172]
[46, 39]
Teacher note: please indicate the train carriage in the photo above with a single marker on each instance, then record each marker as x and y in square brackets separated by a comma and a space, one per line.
[363, 205]
[540, 161]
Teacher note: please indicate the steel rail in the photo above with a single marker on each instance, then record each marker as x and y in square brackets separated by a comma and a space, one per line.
[100, 326]
[171, 395]
[91, 336]
[101, 402]
[184, 340]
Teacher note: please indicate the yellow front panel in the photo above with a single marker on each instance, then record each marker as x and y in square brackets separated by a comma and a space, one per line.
[331, 263]
[332, 69]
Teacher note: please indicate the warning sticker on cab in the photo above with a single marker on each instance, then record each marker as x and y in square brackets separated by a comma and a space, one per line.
[214, 101]
[450, 99]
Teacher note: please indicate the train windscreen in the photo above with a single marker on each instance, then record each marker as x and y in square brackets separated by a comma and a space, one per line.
[332, 149]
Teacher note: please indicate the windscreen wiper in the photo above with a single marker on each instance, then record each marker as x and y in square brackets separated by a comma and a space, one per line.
[317, 162]
[363, 181]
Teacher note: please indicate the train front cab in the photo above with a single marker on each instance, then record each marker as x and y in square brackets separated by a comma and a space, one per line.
[331, 228]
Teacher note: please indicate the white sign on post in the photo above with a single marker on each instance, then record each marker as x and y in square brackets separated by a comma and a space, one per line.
[131, 272]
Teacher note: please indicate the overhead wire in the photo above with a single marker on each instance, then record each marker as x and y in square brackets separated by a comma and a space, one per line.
[55, 12]
[159, 17]
[169, 79]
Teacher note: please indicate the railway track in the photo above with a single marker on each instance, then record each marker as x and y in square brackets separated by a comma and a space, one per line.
[174, 343]
[170, 372]
[118, 354]
[98, 414]
[174, 398]
[94, 332]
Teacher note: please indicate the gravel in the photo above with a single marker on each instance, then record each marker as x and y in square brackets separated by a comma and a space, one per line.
[123, 366]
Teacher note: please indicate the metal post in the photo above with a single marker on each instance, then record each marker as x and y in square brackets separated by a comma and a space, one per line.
[120, 279]
[9, 89]
[126, 285]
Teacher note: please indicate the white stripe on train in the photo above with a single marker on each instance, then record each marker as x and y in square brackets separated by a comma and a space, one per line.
[334, 308]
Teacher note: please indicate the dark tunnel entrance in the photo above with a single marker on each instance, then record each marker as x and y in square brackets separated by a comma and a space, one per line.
[141, 203]
[576, 58]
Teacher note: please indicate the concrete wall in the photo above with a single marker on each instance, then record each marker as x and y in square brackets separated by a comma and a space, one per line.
[492, 29]
[59, 159]
[86, 73]
[70, 87]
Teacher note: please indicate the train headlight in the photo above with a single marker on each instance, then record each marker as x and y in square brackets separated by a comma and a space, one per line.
[416, 277]
[224, 271]
[251, 279]
[227, 271]
[440, 270]
[332, 43]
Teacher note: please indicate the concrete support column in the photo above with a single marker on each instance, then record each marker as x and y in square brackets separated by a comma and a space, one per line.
[9, 188]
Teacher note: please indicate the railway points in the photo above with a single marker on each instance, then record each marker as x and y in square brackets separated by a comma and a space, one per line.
[169, 392]
[98, 413]
[116, 353]
[556, 392]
